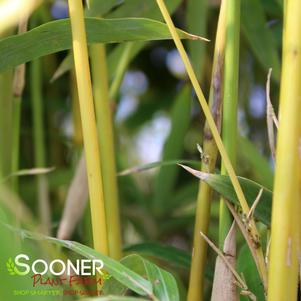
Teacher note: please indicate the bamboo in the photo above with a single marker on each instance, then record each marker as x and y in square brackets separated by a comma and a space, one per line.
[39, 144]
[285, 229]
[82, 69]
[215, 134]
[230, 99]
[199, 254]
[121, 69]
[18, 87]
[107, 149]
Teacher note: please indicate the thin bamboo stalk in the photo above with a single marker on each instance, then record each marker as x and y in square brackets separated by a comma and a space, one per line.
[122, 66]
[230, 99]
[215, 133]
[39, 144]
[82, 69]
[18, 87]
[107, 149]
[285, 228]
[199, 254]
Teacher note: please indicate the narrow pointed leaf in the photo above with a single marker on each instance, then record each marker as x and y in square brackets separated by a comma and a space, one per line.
[55, 36]
[222, 184]
[157, 164]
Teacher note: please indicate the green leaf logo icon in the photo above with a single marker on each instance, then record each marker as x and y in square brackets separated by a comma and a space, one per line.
[11, 268]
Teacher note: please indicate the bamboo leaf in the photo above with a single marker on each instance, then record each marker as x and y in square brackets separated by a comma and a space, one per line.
[55, 36]
[222, 184]
[259, 35]
[132, 262]
[145, 167]
[164, 285]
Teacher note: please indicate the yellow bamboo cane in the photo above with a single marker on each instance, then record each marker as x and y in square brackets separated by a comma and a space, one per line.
[83, 77]
[286, 222]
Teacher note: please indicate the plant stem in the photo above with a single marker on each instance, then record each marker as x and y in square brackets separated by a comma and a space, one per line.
[199, 254]
[16, 140]
[230, 99]
[39, 144]
[285, 229]
[215, 133]
[106, 143]
[18, 87]
[82, 69]
[121, 69]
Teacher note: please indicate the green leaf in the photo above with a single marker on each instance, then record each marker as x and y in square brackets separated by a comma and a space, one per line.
[164, 284]
[56, 36]
[132, 262]
[222, 184]
[247, 267]
[172, 255]
[259, 36]
[173, 149]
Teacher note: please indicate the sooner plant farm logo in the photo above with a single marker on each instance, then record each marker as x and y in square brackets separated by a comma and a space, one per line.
[58, 272]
